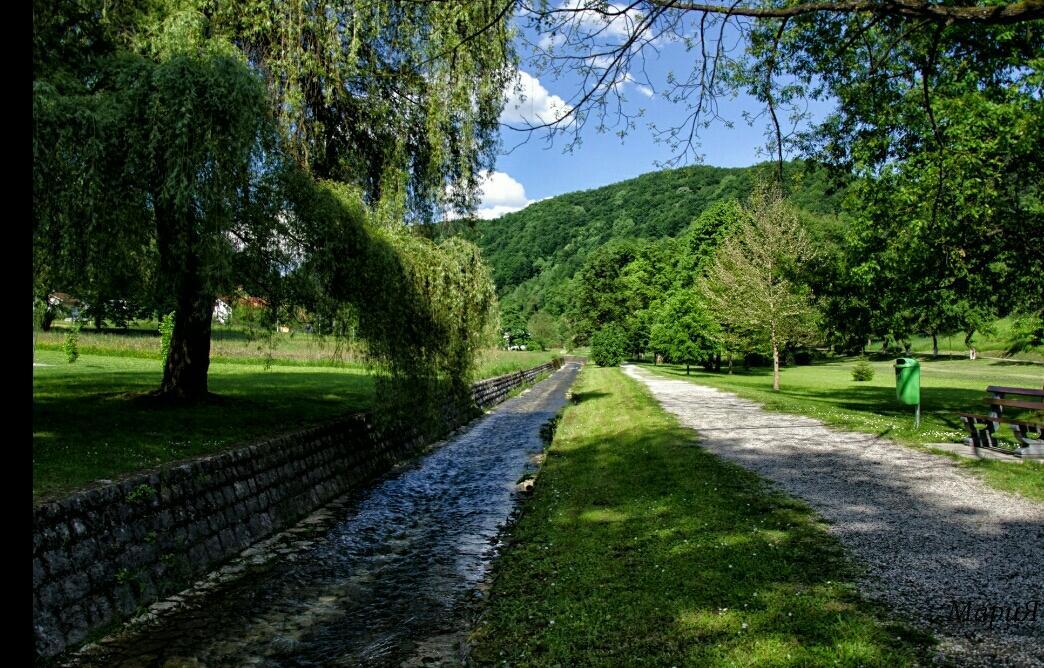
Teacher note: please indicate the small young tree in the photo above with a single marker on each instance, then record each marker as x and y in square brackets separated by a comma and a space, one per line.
[750, 286]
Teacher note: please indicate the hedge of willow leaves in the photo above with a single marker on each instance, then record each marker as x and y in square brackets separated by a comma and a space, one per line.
[423, 308]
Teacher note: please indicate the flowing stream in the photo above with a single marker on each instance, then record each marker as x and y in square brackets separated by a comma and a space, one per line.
[396, 582]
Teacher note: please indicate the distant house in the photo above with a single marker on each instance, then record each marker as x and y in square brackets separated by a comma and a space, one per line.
[222, 311]
[63, 300]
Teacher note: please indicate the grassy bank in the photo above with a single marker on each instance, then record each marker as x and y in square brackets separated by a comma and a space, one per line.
[639, 548]
[88, 426]
[828, 393]
[993, 344]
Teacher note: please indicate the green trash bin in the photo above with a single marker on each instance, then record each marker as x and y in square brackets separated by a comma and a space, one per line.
[908, 381]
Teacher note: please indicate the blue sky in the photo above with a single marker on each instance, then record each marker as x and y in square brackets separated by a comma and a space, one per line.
[535, 171]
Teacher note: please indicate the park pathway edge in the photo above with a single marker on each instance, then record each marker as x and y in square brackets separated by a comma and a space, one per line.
[940, 547]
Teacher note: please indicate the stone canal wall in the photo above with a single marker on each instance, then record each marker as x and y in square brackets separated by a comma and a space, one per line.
[101, 554]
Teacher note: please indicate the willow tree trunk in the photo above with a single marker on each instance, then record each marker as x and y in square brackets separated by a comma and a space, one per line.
[185, 371]
[188, 360]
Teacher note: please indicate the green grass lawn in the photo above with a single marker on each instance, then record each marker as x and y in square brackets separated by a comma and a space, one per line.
[228, 344]
[827, 392]
[638, 548]
[994, 344]
[87, 426]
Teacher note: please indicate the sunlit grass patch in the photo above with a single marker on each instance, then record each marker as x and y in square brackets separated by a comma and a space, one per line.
[638, 547]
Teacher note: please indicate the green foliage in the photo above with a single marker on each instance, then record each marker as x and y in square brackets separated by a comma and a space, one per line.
[544, 330]
[942, 135]
[598, 298]
[535, 252]
[166, 330]
[939, 240]
[70, 346]
[385, 95]
[684, 331]
[142, 493]
[1027, 331]
[753, 286]
[609, 345]
[862, 371]
[171, 140]
[425, 309]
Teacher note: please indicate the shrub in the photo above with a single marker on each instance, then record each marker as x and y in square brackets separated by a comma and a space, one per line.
[1027, 332]
[71, 346]
[166, 329]
[608, 346]
[803, 357]
[862, 371]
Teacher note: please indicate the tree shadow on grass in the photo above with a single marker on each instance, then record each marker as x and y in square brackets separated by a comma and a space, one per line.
[731, 567]
[685, 558]
[578, 397]
[99, 426]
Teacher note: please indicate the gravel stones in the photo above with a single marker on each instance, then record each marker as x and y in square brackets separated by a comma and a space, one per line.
[942, 549]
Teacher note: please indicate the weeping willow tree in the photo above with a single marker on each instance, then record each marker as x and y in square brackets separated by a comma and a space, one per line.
[287, 148]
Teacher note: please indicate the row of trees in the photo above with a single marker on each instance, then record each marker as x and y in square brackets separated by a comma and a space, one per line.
[761, 278]
[184, 149]
[732, 285]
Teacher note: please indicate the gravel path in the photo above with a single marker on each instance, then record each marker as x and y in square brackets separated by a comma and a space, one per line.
[942, 549]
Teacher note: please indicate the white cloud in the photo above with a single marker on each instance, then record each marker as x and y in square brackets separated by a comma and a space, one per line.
[549, 41]
[498, 193]
[619, 24]
[529, 102]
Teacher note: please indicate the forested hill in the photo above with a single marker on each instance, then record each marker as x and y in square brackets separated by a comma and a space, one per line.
[534, 252]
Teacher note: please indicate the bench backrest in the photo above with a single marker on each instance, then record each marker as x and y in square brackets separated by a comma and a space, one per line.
[1020, 391]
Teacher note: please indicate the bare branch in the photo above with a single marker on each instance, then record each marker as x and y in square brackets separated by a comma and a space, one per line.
[1027, 10]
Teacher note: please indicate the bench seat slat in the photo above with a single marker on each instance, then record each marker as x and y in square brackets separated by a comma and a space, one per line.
[1015, 403]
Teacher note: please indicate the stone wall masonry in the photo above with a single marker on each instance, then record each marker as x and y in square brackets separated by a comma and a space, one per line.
[101, 554]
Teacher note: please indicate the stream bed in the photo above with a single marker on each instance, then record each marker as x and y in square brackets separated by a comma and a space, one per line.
[396, 581]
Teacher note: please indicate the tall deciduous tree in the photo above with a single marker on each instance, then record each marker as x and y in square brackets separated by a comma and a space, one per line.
[750, 287]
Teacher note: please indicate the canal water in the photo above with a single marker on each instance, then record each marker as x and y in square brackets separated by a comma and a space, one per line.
[397, 582]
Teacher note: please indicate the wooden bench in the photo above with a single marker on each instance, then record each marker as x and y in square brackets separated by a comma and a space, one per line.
[1028, 432]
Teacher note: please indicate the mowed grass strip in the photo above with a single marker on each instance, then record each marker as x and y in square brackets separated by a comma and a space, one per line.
[826, 391]
[87, 425]
[640, 548]
[237, 345]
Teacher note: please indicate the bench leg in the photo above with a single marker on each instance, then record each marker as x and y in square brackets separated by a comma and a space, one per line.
[980, 437]
[1022, 434]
